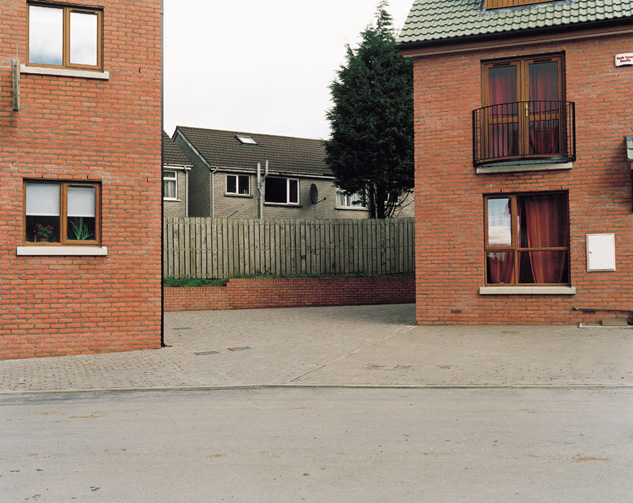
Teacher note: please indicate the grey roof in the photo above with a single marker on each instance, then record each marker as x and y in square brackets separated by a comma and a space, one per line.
[287, 155]
[443, 20]
[172, 155]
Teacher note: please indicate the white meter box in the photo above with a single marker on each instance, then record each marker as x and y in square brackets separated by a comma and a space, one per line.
[600, 252]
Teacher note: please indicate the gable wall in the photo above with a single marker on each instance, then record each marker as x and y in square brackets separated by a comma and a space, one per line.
[449, 194]
[80, 129]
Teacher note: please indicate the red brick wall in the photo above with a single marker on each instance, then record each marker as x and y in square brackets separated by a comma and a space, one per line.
[449, 194]
[271, 293]
[82, 129]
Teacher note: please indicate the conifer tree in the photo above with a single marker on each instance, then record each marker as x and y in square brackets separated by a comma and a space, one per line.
[371, 147]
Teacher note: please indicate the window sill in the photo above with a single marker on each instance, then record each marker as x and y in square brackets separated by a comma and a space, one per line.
[65, 72]
[171, 199]
[245, 196]
[287, 205]
[350, 208]
[527, 290]
[520, 166]
[62, 251]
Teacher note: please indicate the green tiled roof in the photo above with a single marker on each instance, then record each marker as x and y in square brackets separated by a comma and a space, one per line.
[437, 20]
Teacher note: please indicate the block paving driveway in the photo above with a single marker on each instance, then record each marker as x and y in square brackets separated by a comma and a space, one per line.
[374, 346]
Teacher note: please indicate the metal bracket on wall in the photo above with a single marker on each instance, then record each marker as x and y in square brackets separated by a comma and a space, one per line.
[15, 69]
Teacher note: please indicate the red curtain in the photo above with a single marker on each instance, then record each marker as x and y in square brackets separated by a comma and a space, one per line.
[547, 226]
[544, 108]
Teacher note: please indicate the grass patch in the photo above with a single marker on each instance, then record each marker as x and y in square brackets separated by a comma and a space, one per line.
[193, 282]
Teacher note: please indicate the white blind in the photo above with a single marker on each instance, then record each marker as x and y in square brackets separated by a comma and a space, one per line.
[42, 200]
[81, 202]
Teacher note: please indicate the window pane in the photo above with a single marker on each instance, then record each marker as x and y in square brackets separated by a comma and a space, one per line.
[500, 268]
[276, 190]
[244, 184]
[83, 38]
[231, 184]
[357, 200]
[502, 85]
[293, 186]
[544, 221]
[499, 222]
[82, 202]
[341, 198]
[46, 35]
[544, 81]
[544, 267]
[169, 189]
[42, 199]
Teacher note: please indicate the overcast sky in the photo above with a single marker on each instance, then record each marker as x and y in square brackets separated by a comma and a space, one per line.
[259, 67]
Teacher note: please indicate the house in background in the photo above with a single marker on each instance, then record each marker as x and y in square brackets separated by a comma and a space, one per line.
[80, 170]
[223, 180]
[522, 180]
[176, 169]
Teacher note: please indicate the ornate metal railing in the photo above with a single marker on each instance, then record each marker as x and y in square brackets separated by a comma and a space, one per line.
[524, 130]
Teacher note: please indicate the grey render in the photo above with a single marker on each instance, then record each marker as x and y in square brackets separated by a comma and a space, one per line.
[175, 164]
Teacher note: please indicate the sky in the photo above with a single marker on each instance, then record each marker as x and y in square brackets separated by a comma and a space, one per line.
[259, 67]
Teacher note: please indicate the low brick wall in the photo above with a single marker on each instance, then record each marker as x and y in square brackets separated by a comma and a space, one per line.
[257, 293]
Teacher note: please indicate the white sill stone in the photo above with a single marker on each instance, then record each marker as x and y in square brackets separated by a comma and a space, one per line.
[62, 251]
[527, 290]
[350, 208]
[65, 72]
[519, 167]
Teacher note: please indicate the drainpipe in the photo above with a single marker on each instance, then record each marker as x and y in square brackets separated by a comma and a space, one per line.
[213, 169]
[187, 191]
[260, 188]
[162, 163]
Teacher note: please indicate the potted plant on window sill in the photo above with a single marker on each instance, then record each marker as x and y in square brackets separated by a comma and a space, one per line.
[43, 232]
[81, 232]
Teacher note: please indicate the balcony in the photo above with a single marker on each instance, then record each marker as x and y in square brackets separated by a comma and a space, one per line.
[524, 131]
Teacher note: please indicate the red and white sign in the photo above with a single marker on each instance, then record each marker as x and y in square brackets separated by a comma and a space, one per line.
[624, 59]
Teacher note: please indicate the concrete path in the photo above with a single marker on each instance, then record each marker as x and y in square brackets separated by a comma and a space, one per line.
[339, 346]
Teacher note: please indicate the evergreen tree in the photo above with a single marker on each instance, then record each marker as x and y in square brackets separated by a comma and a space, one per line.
[371, 147]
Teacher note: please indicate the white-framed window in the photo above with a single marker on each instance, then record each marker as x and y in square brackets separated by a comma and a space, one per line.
[65, 36]
[345, 200]
[62, 213]
[170, 184]
[282, 190]
[238, 184]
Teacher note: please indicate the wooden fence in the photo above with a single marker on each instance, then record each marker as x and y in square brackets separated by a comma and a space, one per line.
[220, 248]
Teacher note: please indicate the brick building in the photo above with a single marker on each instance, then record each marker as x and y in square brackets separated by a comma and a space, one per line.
[80, 171]
[523, 185]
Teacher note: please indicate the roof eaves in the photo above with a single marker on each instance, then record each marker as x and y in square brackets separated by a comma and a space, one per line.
[570, 29]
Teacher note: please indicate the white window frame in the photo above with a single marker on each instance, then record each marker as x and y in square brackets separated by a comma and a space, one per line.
[347, 201]
[237, 184]
[288, 181]
[170, 179]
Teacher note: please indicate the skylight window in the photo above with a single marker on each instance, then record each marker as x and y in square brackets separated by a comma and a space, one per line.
[245, 140]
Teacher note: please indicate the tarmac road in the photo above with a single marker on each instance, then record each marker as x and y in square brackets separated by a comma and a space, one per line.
[319, 445]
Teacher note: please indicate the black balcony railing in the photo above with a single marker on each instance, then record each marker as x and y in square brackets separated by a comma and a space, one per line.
[524, 130]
